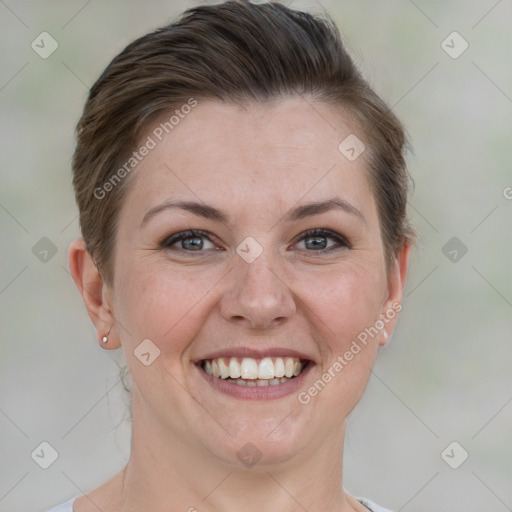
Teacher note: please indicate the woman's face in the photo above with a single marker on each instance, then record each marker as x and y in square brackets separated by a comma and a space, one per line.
[253, 292]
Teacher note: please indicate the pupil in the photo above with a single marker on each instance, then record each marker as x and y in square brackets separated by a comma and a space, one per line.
[318, 242]
[191, 243]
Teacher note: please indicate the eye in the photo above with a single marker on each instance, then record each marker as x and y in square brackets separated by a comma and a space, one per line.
[317, 241]
[191, 241]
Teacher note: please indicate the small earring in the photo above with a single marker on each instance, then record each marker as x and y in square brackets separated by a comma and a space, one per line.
[105, 338]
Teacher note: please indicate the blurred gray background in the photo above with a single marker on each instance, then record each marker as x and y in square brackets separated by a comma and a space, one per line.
[446, 375]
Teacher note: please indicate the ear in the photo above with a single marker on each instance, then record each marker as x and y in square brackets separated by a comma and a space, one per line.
[392, 304]
[95, 292]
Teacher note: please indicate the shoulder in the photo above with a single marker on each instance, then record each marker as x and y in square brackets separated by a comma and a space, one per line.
[372, 506]
[67, 506]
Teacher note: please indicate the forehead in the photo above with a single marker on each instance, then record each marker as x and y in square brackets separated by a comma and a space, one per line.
[225, 154]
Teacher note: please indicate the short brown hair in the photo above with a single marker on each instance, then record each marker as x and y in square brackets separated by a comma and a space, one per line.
[234, 52]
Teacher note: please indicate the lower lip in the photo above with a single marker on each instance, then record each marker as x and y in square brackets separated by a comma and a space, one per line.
[256, 392]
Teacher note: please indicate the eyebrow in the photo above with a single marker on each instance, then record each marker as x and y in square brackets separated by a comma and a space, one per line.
[297, 213]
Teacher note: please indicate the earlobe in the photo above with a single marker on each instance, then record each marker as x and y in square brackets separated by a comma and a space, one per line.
[93, 290]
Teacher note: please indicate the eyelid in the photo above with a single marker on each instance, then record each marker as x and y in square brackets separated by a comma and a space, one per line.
[170, 240]
[342, 241]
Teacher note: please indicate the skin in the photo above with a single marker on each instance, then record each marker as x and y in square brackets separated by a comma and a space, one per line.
[254, 163]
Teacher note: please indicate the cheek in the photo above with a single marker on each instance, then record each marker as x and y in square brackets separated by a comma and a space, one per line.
[345, 309]
[158, 302]
[346, 300]
[162, 306]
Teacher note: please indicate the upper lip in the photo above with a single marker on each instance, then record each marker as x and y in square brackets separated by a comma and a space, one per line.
[254, 353]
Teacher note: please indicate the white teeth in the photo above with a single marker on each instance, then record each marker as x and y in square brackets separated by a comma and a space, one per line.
[215, 368]
[234, 368]
[259, 382]
[266, 369]
[289, 366]
[249, 368]
[279, 367]
[224, 368]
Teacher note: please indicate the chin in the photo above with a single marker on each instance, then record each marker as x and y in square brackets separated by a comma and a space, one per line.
[260, 443]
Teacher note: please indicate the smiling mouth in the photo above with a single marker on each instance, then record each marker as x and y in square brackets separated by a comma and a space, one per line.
[250, 372]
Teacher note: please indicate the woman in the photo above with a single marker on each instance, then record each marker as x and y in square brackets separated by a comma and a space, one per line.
[242, 195]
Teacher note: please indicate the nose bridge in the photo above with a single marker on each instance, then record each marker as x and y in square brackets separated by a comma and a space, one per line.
[258, 294]
[260, 277]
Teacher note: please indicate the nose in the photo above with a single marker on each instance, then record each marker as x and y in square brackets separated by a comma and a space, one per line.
[257, 297]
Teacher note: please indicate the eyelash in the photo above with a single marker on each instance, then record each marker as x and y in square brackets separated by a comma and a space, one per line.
[342, 242]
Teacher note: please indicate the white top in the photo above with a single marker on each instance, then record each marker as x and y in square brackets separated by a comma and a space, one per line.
[68, 506]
